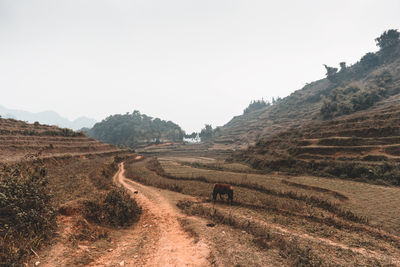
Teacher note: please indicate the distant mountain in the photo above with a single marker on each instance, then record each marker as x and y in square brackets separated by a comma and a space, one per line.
[47, 117]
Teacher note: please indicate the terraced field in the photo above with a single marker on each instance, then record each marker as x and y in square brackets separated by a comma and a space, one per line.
[289, 219]
[370, 141]
[18, 138]
[378, 204]
[75, 169]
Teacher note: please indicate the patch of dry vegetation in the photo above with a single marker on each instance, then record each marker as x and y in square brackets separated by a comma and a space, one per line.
[32, 191]
[27, 215]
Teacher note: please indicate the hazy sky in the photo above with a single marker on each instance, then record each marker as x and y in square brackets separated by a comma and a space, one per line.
[192, 62]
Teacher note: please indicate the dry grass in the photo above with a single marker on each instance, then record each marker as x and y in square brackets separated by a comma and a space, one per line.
[379, 204]
[77, 178]
[264, 201]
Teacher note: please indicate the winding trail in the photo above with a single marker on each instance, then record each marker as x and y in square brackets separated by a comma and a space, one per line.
[167, 244]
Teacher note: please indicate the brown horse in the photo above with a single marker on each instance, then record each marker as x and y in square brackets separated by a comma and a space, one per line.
[223, 189]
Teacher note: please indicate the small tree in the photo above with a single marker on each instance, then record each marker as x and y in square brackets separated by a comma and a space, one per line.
[207, 132]
[342, 66]
[330, 72]
[388, 39]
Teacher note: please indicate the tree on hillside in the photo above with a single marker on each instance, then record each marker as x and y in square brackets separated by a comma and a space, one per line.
[207, 132]
[135, 130]
[275, 100]
[192, 135]
[256, 104]
[342, 66]
[330, 72]
[388, 39]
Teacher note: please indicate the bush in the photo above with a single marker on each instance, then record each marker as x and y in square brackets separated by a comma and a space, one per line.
[116, 209]
[328, 108]
[120, 208]
[27, 217]
[388, 39]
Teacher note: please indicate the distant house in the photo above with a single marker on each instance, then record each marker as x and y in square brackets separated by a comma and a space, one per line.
[195, 140]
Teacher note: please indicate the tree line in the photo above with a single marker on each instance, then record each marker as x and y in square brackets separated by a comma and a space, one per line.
[135, 129]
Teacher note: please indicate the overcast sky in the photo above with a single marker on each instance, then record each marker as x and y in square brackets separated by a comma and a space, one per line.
[192, 62]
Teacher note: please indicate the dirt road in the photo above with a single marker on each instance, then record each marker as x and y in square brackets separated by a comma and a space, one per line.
[167, 244]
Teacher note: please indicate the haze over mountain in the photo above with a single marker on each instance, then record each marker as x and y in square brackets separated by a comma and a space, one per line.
[47, 117]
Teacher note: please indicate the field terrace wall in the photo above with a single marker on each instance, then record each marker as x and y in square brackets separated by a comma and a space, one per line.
[18, 138]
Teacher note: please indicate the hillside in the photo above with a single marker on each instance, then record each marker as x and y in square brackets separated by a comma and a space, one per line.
[364, 145]
[358, 87]
[135, 130]
[17, 138]
[46, 117]
[50, 177]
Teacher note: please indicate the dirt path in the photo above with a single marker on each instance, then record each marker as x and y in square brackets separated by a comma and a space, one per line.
[165, 244]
